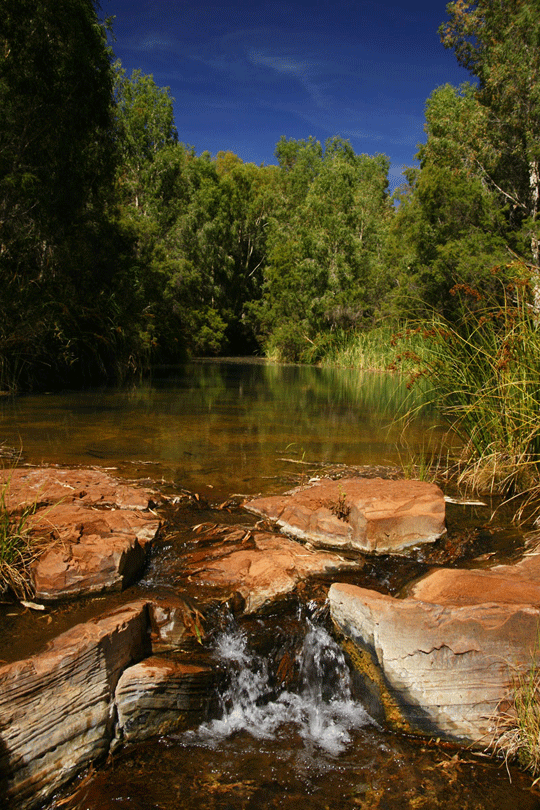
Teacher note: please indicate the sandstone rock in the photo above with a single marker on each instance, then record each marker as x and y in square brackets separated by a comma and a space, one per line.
[437, 667]
[53, 485]
[162, 696]
[91, 550]
[373, 515]
[97, 528]
[503, 584]
[57, 709]
[262, 568]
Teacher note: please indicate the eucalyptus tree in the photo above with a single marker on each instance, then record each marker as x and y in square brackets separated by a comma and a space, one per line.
[325, 244]
[451, 227]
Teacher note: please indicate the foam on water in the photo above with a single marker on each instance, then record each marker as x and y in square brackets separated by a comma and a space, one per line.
[323, 710]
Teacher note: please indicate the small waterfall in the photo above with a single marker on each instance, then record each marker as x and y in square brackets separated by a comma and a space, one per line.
[322, 710]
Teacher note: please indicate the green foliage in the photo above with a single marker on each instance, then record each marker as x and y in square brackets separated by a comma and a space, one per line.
[324, 244]
[450, 228]
[19, 548]
[498, 43]
[483, 374]
[61, 312]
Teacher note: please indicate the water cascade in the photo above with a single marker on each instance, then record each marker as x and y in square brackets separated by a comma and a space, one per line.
[322, 708]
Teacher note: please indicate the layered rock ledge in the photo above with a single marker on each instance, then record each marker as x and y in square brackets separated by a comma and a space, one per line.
[98, 528]
[363, 514]
[443, 660]
[92, 687]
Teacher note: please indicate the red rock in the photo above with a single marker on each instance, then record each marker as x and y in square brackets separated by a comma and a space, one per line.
[263, 569]
[96, 526]
[57, 707]
[365, 514]
[55, 485]
[449, 652]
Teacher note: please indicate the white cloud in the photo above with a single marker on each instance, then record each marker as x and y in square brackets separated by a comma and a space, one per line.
[304, 71]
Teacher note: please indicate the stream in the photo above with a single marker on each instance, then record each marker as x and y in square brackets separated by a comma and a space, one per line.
[290, 728]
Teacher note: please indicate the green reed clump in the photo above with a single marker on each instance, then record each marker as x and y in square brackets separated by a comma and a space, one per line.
[19, 549]
[483, 372]
[373, 350]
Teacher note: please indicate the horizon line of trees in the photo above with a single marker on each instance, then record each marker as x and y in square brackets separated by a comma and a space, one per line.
[121, 247]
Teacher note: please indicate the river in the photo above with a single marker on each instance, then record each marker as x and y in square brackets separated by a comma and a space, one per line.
[219, 429]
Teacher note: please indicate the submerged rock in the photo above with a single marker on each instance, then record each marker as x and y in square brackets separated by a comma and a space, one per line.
[364, 514]
[442, 660]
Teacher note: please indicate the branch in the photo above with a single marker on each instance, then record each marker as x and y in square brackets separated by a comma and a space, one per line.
[504, 193]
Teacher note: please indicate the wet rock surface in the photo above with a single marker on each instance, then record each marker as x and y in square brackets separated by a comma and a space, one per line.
[98, 528]
[370, 515]
[161, 696]
[255, 566]
[56, 708]
[437, 661]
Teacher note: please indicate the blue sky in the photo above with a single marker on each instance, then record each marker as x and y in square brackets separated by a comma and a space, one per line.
[245, 73]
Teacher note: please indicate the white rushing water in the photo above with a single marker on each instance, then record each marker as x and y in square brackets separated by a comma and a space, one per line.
[323, 710]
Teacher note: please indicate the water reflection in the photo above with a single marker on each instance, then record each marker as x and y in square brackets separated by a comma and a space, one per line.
[223, 425]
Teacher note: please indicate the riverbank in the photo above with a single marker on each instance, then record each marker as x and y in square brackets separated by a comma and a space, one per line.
[217, 556]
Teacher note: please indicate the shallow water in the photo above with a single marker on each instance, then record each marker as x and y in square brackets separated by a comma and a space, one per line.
[217, 429]
[221, 427]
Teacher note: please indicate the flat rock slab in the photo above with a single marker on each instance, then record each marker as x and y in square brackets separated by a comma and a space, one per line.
[364, 514]
[442, 660]
[98, 528]
[57, 485]
[260, 568]
[517, 584]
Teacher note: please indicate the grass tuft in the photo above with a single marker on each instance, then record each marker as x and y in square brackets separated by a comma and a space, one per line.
[19, 549]
[483, 374]
[517, 729]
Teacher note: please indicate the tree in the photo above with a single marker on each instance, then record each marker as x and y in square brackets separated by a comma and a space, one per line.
[324, 244]
[499, 43]
[451, 226]
[57, 162]
[145, 125]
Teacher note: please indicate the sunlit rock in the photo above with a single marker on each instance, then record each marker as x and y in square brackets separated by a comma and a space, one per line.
[441, 661]
[365, 514]
[260, 569]
[57, 708]
[90, 550]
[97, 528]
[29, 486]
[161, 696]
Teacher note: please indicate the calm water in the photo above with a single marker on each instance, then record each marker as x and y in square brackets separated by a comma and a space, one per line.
[220, 428]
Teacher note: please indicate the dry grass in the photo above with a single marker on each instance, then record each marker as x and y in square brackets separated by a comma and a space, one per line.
[517, 727]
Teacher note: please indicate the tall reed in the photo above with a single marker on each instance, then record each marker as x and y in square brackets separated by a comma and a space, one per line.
[373, 350]
[483, 372]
